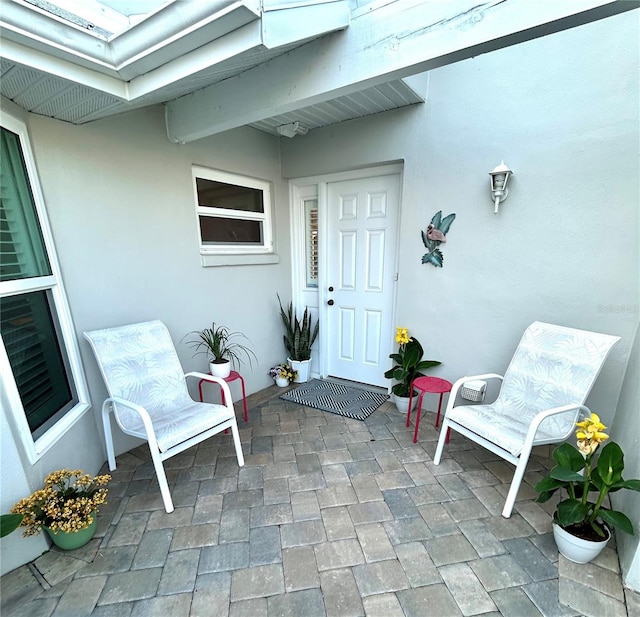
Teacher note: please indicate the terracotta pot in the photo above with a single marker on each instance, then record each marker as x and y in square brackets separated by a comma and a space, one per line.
[576, 549]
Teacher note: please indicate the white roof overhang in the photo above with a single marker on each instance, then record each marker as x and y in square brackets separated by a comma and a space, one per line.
[220, 64]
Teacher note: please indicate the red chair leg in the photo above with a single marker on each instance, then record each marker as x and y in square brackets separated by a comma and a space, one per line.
[419, 412]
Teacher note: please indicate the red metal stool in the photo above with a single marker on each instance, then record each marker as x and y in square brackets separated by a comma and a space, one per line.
[233, 375]
[432, 385]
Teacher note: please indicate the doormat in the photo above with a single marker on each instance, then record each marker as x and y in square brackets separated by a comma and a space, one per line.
[336, 398]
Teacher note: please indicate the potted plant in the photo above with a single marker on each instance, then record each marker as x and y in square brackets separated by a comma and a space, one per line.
[283, 374]
[222, 347]
[408, 365]
[66, 508]
[582, 526]
[299, 336]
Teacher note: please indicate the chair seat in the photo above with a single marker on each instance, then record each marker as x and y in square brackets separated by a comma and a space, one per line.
[497, 424]
[177, 425]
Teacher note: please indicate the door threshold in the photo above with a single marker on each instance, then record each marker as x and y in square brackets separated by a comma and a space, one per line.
[356, 384]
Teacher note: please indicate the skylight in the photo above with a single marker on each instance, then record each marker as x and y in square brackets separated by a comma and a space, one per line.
[103, 19]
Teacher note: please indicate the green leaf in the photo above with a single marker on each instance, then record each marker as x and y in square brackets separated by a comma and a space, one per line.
[569, 457]
[545, 496]
[566, 475]
[632, 485]
[446, 223]
[9, 523]
[611, 463]
[435, 221]
[616, 519]
[571, 511]
[425, 364]
[435, 258]
[548, 484]
[412, 355]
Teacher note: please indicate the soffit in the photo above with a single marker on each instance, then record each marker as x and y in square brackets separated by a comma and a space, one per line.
[64, 71]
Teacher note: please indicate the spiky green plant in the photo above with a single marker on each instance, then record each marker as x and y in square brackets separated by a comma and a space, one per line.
[299, 334]
[221, 344]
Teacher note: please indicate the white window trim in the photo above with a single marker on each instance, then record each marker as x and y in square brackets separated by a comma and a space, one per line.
[15, 412]
[266, 248]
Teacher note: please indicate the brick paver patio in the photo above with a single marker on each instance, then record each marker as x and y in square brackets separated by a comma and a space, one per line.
[329, 517]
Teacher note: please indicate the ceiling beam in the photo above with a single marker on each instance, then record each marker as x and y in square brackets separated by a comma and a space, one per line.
[391, 40]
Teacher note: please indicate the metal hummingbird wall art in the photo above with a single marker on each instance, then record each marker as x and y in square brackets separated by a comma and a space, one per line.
[435, 235]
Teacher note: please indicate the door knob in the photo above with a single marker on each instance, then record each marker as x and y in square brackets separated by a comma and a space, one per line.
[330, 302]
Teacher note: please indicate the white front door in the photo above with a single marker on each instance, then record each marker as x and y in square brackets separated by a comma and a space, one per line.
[361, 254]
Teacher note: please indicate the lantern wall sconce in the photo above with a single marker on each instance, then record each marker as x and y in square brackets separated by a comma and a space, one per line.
[499, 179]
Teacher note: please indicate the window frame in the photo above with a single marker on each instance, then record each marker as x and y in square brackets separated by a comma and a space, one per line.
[36, 448]
[215, 175]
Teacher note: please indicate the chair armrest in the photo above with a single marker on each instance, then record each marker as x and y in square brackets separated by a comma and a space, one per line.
[218, 381]
[543, 415]
[140, 410]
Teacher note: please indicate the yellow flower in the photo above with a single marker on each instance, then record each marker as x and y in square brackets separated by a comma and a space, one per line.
[590, 436]
[402, 335]
[592, 424]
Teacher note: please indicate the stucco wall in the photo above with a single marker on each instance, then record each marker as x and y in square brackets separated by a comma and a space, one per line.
[120, 201]
[121, 205]
[563, 113]
[626, 432]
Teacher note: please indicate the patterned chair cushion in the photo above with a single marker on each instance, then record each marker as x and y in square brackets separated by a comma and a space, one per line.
[139, 363]
[552, 366]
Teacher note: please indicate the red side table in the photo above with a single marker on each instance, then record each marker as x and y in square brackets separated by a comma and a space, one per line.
[233, 375]
[432, 385]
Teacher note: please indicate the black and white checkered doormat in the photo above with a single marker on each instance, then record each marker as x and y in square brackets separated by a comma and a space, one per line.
[336, 398]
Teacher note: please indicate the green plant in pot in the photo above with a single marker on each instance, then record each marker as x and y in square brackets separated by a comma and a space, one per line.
[66, 508]
[223, 348]
[299, 336]
[582, 523]
[408, 366]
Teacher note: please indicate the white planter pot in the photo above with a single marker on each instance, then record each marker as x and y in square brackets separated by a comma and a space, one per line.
[303, 367]
[576, 549]
[221, 370]
[402, 403]
[282, 382]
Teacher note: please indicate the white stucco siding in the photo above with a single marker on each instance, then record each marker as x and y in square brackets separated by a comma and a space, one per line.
[120, 200]
[562, 112]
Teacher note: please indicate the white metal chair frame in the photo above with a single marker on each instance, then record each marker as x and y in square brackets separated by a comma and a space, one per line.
[520, 459]
[157, 455]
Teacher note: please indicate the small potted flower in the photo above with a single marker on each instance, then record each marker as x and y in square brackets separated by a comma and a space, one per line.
[582, 526]
[283, 374]
[66, 507]
[408, 366]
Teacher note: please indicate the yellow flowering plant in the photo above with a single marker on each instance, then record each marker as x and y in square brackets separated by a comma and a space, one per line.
[581, 473]
[408, 362]
[284, 371]
[68, 502]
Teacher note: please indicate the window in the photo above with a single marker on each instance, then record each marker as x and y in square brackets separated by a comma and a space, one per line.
[311, 241]
[39, 361]
[234, 213]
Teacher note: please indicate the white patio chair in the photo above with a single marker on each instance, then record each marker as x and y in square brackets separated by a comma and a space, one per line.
[149, 398]
[542, 394]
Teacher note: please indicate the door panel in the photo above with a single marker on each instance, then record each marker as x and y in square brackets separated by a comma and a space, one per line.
[362, 231]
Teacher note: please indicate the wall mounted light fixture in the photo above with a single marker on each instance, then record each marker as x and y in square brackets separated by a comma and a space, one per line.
[292, 129]
[499, 180]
